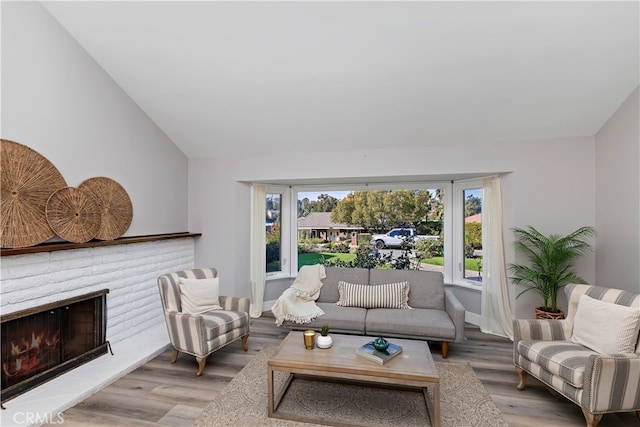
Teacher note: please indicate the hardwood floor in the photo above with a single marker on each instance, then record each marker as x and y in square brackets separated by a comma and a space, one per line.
[163, 394]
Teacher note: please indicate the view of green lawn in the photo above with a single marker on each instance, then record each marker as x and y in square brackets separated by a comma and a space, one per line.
[469, 263]
[319, 258]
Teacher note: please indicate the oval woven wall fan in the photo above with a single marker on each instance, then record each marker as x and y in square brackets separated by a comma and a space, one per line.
[73, 215]
[27, 181]
[114, 204]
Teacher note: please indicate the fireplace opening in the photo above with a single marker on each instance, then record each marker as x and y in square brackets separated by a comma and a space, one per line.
[40, 343]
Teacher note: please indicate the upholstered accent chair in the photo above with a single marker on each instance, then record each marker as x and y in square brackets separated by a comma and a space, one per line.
[201, 334]
[599, 382]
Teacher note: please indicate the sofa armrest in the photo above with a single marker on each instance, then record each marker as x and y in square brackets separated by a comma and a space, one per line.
[538, 329]
[456, 311]
[235, 303]
[612, 383]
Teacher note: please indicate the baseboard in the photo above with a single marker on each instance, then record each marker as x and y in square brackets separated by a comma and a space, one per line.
[472, 318]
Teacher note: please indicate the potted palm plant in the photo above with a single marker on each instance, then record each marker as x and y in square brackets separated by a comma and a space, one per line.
[551, 259]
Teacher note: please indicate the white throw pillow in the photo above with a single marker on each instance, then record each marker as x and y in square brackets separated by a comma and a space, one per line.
[605, 327]
[199, 295]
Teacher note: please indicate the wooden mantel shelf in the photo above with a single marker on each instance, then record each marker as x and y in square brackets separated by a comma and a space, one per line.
[64, 246]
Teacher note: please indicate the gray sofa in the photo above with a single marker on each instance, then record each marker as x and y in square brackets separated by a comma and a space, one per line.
[435, 314]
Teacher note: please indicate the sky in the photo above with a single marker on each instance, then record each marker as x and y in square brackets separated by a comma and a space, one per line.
[313, 195]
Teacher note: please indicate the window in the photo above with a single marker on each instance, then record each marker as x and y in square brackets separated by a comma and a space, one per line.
[467, 230]
[333, 223]
[300, 228]
[273, 232]
[277, 235]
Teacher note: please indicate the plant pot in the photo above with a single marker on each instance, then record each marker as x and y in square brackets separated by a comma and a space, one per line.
[324, 341]
[541, 313]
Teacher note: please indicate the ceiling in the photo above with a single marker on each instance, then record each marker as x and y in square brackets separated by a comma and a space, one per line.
[250, 78]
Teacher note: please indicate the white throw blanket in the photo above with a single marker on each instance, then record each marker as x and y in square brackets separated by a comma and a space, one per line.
[297, 303]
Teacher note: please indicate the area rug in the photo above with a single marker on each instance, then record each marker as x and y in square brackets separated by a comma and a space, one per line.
[243, 402]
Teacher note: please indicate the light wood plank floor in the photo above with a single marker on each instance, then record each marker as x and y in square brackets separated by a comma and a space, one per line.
[159, 393]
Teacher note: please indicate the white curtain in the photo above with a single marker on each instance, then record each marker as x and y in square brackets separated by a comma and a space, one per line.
[496, 309]
[258, 248]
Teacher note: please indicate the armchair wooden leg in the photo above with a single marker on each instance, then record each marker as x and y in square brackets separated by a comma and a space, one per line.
[245, 347]
[592, 419]
[638, 414]
[522, 375]
[174, 355]
[201, 362]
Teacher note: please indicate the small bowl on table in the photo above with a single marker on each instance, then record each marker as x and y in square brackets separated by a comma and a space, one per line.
[380, 344]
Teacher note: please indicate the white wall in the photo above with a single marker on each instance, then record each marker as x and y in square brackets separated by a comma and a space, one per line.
[59, 102]
[617, 152]
[549, 184]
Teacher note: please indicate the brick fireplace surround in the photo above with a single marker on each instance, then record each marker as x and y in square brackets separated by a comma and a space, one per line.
[135, 323]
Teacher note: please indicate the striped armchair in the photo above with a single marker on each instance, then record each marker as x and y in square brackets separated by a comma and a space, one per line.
[201, 334]
[598, 383]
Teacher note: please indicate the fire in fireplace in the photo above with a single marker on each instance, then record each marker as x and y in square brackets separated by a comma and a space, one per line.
[41, 343]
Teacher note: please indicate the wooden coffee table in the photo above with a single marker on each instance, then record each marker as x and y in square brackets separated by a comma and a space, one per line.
[413, 368]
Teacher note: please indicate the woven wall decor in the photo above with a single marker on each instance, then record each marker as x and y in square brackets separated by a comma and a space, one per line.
[73, 215]
[27, 181]
[114, 204]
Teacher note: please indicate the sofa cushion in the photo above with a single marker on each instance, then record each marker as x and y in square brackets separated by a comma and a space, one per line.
[329, 291]
[418, 322]
[426, 287]
[339, 319]
[390, 295]
[605, 327]
[562, 358]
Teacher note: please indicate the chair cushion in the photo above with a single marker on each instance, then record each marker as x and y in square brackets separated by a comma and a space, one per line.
[391, 295]
[564, 359]
[573, 393]
[199, 295]
[605, 327]
[219, 322]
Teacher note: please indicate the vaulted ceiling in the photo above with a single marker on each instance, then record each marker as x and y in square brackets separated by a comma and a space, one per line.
[238, 78]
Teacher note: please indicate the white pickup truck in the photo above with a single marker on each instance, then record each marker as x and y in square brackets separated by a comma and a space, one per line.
[395, 237]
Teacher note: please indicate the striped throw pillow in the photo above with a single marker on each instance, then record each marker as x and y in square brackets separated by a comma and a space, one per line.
[391, 295]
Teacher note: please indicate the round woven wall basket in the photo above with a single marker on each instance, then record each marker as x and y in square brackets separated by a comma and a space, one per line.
[114, 203]
[27, 181]
[73, 215]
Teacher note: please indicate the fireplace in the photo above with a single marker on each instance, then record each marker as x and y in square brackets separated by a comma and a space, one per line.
[43, 342]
